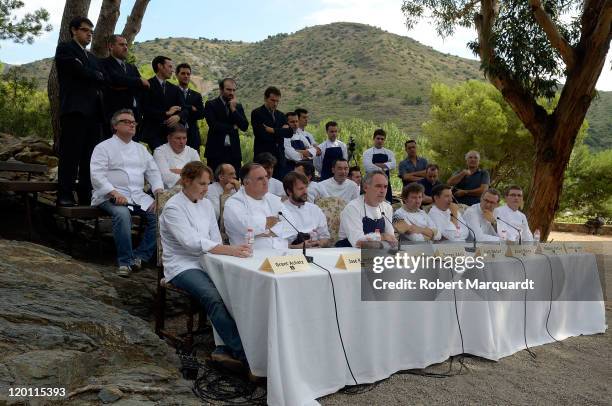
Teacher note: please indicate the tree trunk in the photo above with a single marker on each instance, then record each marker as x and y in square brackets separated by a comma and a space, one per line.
[105, 27]
[134, 21]
[73, 8]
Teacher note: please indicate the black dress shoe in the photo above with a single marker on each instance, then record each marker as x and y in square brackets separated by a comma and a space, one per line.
[65, 202]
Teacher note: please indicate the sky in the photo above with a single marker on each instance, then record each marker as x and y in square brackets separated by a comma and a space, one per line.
[251, 21]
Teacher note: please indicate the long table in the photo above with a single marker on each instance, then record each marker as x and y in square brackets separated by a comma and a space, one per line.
[287, 323]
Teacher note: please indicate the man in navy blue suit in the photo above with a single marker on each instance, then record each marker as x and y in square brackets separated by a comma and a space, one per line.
[81, 80]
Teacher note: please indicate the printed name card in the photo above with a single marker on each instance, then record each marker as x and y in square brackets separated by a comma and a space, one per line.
[491, 252]
[450, 250]
[520, 250]
[574, 248]
[350, 262]
[285, 264]
[551, 248]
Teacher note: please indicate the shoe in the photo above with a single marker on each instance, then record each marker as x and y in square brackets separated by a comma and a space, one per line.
[124, 271]
[257, 380]
[227, 362]
[65, 202]
[137, 264]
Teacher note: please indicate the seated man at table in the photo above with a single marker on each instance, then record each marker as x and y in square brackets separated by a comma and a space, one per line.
[309, 218]
[510, 219]
[315, 191]
[480, 217]
[253, 208]
[188, 229]
[339, 185]
[226, 185]
[173, 155]
[268, 161]
[445, 215]
[118, 168]
[364, 216]
[410, 219]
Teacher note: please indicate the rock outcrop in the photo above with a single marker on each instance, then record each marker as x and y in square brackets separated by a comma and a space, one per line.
[64, 325]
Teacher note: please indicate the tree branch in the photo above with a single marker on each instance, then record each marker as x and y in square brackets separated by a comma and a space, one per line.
[552, 33]
[134, 21]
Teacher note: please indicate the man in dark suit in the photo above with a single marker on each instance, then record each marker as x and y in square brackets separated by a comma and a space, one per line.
[193, 105]
[162, 104]
[81, 80]
[270, 128]
[225, 116]
[126, 85]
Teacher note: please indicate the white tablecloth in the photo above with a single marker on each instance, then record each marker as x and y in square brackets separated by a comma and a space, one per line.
[288, 326]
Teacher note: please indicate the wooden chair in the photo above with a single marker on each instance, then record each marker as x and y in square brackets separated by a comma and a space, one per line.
[184, 340]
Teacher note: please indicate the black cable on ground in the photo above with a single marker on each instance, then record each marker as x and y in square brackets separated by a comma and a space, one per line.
[529, 351]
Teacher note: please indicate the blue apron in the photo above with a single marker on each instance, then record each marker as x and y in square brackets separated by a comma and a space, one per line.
[368, 225]
[297, 145]
[329, 156]
[383, 159]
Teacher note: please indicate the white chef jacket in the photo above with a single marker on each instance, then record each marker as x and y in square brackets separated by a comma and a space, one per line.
[517, 219]
[482, 228]
[418, 218]
[167, 159]
[347, 190]
[369, 153]
[215, 191]
[308, 217]
[351, 225]
[444, 225]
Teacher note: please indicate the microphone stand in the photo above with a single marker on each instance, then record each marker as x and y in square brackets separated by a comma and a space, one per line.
[309, 259]
[518, 230]
[469, 228]
[399, 242]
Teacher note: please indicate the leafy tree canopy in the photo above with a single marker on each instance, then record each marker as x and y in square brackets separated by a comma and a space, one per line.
[24, 29]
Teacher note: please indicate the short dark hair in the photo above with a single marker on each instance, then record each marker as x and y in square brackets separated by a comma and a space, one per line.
[290, 179]
[183, 65]
[432, 166]
[408, 142]
[299, 111]
[112, 39]
[513, 187]
[353, 169]
[265, 159]
[247, 168]
[412, 188]
[176, 128]
[222, 82]
[272, 90]
[330, 124]
[493, 192]
[160, 59]
[309, 169]
[438, 189]
[76, 23]
[291, 113]
[379, 131]
[338, 160]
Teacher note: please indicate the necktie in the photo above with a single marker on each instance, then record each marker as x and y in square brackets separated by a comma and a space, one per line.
[123, 66]
[163, 86]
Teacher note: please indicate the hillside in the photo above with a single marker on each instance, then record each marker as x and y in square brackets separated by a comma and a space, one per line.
[338, 70]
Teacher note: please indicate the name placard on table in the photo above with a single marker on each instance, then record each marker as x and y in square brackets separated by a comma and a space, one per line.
[350, 261]
[450, 250]
[285, 264]
[490, 252]
[574, 248]
[551, 248]
[527, 250]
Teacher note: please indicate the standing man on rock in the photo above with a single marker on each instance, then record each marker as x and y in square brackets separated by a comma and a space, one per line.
[225, 116]
[81, 80]
[270, 128]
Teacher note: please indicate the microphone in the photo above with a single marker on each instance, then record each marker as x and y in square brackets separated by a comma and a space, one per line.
[468, 227]
[301, 237]
[132, 205]
[518, 230]
[395, 229]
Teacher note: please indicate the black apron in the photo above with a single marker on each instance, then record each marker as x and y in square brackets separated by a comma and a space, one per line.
[368, 225]
[329, 156]
[297, 145]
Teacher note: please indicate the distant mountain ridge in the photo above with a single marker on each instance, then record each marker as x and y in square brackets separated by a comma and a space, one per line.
[338, 70]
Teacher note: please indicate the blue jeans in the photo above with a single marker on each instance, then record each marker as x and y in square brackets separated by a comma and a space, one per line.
[201, 287]
[122, 233]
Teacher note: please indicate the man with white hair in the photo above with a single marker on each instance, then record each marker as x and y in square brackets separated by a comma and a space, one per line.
[469, 184]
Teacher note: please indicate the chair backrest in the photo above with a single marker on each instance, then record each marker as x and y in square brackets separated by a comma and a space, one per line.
[222, 200]
[160, 201]
[332, 206]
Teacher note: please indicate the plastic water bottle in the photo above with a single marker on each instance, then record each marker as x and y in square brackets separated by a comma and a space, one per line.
[314, 236]
[504, 235]
[536, 235]
[249, 238]
[457, 231]
[377, 236]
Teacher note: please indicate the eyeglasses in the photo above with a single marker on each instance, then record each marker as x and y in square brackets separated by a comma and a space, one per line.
[128, 122]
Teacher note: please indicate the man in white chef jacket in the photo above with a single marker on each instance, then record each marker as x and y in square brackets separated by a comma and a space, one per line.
[309, 218]
[226, 184]
[253, 207]
[173, 155]
[119, 167]
[445, 215]
[510, 219]
[339, 185]
[481, 219]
